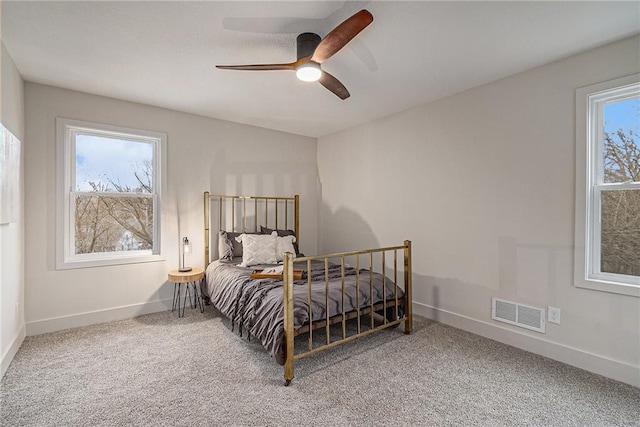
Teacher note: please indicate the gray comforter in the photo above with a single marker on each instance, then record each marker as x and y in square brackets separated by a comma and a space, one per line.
[256, 306]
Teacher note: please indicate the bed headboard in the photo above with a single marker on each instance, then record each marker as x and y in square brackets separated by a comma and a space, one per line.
[247, 214]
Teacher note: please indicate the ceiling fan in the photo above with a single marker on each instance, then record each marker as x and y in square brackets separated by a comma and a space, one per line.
[313, 51]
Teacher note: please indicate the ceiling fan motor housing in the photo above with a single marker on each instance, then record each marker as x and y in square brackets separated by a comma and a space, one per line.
[306, 44]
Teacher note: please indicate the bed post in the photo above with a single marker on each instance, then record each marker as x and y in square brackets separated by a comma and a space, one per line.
[288, 317]
[296, 217]
[408, 324]
[206, 229]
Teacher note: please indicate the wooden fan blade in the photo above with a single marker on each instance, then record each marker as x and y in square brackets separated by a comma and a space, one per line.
[334, 85]
[341, 35]
[259, 67]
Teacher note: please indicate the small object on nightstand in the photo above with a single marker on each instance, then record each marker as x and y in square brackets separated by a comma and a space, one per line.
[190, 278]
[186, 248]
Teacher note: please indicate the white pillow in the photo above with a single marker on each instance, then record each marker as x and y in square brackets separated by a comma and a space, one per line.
[257, 249]
[284, 244]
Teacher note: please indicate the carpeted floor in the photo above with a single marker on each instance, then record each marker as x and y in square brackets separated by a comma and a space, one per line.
[158, 370]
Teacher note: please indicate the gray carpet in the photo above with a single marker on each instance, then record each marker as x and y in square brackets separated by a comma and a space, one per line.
[158, 370]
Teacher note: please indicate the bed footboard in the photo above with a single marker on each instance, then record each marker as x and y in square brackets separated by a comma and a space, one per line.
[395, 309]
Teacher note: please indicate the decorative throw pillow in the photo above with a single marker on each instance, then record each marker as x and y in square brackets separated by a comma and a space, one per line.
[225, 246]
[281, 233]
[257, 249]
[284, 244]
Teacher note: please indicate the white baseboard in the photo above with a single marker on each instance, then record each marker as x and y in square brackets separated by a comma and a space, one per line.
[53, 324]
[7, 357]
[591, 362]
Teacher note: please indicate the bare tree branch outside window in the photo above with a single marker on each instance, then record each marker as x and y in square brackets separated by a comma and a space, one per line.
[108, 223]
[620, 209]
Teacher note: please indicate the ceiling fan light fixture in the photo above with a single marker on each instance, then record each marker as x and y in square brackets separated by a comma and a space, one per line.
[309, 72]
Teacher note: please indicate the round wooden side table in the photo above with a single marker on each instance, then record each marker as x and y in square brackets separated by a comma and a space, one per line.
[191, 279]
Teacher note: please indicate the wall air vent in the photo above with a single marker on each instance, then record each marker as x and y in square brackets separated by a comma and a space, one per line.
[516, 314]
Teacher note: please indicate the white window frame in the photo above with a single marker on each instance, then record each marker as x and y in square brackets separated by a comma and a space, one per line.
[66, 258]
[590, 102]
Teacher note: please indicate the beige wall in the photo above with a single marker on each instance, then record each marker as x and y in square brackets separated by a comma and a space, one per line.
[483, 183]
[203, 154]
[12, 323]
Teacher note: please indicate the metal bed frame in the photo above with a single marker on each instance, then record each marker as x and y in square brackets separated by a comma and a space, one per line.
[390, 308]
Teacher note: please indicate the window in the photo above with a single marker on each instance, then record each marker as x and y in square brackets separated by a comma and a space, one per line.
[109, 192]
[608, 186]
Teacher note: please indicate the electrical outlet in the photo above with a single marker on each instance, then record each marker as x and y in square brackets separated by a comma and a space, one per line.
[553, 314]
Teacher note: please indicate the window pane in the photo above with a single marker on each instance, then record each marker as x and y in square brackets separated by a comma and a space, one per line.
[113, 224]
[621, 142]
[621, 232]
[112, 164]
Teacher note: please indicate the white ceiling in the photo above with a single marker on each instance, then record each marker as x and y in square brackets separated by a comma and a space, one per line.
[163, 53]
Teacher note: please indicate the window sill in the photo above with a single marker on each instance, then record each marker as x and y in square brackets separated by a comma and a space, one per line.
[611, 287]
[92, 261]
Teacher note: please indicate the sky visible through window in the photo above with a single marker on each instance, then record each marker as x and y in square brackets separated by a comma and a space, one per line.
[623, 115]
[107, 160]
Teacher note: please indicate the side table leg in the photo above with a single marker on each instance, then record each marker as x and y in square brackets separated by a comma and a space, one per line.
[176, 286]
[193, 304]
[177, 300]
[184, 302]
[199, 302]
